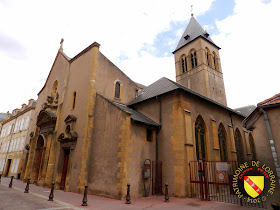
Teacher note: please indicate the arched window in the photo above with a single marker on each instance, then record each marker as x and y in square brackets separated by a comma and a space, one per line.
[200, 138]
[215, 61]
[54, 88]
[184, 64]
[252, 147]
[222, 142]
[238, 146]
[193, 59]
[208, 56]
[117, 89]
[74, 100]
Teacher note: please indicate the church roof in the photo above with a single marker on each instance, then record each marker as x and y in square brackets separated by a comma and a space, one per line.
[192, 32]
[246, 110]
[137, 116]
[164, 85]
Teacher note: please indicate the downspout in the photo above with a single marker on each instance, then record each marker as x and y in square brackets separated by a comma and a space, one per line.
[272, 146]
[157, 131]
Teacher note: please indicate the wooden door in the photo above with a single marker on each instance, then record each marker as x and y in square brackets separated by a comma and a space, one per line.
[40, 154]
[8, 166]
[157, 177]
[64, 169]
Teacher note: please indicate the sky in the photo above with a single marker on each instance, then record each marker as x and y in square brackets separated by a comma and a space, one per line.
[138, 37]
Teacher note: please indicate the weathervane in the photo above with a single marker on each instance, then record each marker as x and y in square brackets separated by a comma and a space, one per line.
[192, 10]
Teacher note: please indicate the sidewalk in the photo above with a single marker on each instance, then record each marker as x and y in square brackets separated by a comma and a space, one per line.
[74, 200]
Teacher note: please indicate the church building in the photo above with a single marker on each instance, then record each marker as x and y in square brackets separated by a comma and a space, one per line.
[93, 125]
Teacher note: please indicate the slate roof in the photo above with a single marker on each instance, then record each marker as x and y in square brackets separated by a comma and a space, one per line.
[246, 110]
[272, 100]
[140, 85]
[194, 31]
[164, 85]
[137, 116]
[3, 116]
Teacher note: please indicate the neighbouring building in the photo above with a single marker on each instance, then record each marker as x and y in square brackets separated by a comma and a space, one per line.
[93, 125]
[13, 140]
[264, 124]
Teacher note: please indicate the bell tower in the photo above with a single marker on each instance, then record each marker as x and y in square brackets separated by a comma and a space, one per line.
[197, 63]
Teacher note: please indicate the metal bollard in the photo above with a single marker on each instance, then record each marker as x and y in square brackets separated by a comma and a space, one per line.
[0, 178]
[11, 182]
[27, 186]
[51, 194]
[128, 195]
[166, 197]
[85, 197]
[275, 206]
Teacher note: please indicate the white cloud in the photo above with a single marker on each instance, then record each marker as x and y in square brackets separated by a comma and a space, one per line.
[123, 28]
[249, 54]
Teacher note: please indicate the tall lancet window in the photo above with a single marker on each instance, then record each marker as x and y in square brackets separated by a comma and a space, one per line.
[117, 90]
[238, 146]
[184, 64]
[200, 138]
[222, 142]
[252, 147]
[193, 59]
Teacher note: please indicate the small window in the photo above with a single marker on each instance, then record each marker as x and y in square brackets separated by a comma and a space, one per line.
[149, 135]
[117, 90]
[74, 100]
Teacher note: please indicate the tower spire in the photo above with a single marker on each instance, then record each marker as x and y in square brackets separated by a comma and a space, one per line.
[192, 10]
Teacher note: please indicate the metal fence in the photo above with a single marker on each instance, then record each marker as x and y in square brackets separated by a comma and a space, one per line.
[212, 181]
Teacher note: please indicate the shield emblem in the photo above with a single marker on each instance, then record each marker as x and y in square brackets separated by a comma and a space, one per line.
[253, 185]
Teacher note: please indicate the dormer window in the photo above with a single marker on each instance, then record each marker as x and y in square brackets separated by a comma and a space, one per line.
[206, 34]
[187, 37]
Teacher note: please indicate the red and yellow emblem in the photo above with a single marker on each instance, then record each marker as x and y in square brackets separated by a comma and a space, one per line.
[254, 185]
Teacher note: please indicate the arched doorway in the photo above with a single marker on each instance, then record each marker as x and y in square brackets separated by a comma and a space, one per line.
[200, 138]
[38, 156]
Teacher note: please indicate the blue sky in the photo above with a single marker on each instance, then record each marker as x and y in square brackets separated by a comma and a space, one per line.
[139, 37]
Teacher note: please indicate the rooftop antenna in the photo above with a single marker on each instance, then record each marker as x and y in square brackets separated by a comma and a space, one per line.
[192, 10]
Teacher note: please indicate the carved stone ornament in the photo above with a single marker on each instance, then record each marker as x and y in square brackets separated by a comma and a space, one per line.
[27, 146]
[31, 134]
[45, 117]
[71, 137]
[70, 118]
